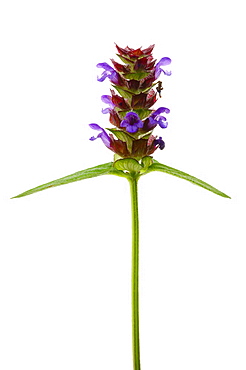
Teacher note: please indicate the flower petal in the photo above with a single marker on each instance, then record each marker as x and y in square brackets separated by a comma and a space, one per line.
[159, 111]
[104, 75]
[106, 66]
[102, 135]
[162, 121]
[160, 142]
[109, 72]
[132, 129]
[162, 62]
[107, 99]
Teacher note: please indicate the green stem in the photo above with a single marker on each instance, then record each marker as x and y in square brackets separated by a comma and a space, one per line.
[135, 267]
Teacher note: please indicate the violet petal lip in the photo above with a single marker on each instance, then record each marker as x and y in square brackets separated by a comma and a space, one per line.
[108, 72]
[157, 119]
[162, 121]
[106, 110]
[105, 66]
[102, 134]
[107, 99]
[159, 111]
[162, 62]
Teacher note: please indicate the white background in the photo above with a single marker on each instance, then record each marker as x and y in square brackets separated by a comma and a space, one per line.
[66, 252]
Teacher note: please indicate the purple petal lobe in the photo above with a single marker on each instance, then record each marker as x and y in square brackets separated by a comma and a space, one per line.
[160, 142]
[162, 121]
[162, 62]
[106, 110]
[102, 135]
[157, 119]
[108, 72]
[104, 75]
[105, 66]
[106, 99]
[132, 122]
[131, 129]
[159, 111]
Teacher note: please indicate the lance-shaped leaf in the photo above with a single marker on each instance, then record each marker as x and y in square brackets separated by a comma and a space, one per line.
[102, 169]
[156, 166]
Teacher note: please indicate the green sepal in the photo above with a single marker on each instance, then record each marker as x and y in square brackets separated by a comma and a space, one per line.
[116, 157]
[124, 93]
[145, 135]
[143, 113]
[156, 166]
[149, 88]
[128, 164]
[102, 169]
[146, 162]
[136, 75]
[122, 135]
[125, 60]
[121, 113]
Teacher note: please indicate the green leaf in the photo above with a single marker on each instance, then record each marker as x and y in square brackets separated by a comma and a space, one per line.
[128, 164]
[156, 166]
[102, 169]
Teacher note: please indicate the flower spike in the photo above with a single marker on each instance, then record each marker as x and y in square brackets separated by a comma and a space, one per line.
[130, 102]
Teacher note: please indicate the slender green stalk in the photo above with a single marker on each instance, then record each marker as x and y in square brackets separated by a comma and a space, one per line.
[135, 267]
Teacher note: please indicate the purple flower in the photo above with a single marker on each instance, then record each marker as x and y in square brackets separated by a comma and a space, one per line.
[131, 122]
[108, 72]
[108, 100]
[157, 119]
[163, 62]
[102, 135]
[160, 142]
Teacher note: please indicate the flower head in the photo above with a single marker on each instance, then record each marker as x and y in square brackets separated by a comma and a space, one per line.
[129, 105]
[131, 122]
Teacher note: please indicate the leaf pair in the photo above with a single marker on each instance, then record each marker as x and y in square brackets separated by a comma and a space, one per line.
[109, 169]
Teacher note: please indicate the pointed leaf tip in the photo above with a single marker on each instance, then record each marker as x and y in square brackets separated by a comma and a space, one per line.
[102, 169]
[156, 166]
